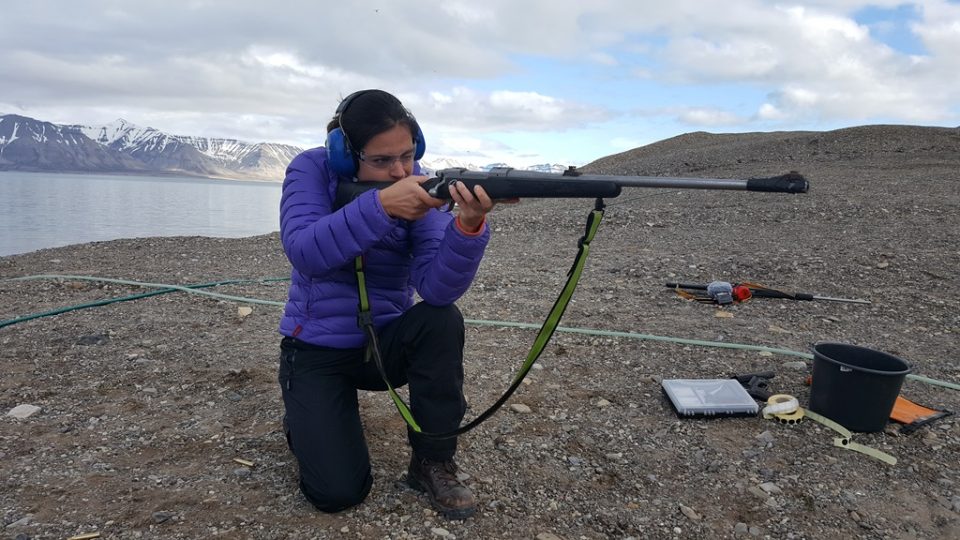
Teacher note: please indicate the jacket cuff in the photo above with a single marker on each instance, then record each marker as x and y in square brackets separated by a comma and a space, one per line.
[479, 230]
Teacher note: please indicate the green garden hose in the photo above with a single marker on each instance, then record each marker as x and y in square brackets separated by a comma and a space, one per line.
[197, 289]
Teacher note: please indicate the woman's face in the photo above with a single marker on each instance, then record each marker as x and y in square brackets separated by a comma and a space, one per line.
[388, 156]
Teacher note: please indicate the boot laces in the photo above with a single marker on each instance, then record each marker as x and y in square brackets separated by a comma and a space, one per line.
[446, 471]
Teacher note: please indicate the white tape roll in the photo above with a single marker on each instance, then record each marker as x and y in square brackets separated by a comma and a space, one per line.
[780, 404]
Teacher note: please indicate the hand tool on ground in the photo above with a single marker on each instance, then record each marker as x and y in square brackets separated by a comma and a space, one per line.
[767, 292]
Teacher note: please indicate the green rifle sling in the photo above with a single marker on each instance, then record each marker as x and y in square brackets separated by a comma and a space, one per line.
[365, 319]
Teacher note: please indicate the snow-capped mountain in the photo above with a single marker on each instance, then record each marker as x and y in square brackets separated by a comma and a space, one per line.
[29, 144]
[547, 168]
[435, 163]
[431, 164]
[122, 146]
[229, 158]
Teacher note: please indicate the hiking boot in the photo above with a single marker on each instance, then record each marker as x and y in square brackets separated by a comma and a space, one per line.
[438, 479]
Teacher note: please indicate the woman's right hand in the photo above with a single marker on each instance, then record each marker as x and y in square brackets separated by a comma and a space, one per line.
[405, 199]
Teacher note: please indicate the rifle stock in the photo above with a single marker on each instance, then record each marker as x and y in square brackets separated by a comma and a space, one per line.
[508, 183]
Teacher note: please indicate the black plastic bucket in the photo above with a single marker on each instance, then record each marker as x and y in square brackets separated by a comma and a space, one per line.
[855, 386]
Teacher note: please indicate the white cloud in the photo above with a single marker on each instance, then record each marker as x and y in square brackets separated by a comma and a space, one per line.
[474, 70]
[470, 149]
[709, 117]
[464, 109]
[734, 59]
[770, 112]
[940, 32]
[795, 97]
[469, 13]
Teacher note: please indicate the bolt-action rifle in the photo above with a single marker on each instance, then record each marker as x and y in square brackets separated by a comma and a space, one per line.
[508, 183]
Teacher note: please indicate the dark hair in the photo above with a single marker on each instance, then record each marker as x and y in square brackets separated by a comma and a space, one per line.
[370, 113]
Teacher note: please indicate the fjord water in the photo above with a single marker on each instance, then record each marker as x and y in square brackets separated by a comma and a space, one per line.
[42, 210]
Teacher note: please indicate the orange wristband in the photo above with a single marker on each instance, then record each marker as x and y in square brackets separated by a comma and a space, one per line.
[477, 232]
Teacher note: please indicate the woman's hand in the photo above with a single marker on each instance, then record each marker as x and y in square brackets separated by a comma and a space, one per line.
[406, 199]
[473, 206]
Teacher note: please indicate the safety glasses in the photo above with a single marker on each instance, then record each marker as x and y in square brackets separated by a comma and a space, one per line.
[386, 162]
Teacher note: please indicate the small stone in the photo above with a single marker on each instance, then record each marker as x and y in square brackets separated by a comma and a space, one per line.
[161, 517]
[244, 311]
[442, 533]
[345, 529]
[241, 472]
[720, 314]
[94, 339]
[741, 528]
[602, 403]
[23, 411]
[22, 522]
[755, 531]
[690, 512]
[882, 264]
[765, 353]
[520, 408]
[796, 366]
[770, 487]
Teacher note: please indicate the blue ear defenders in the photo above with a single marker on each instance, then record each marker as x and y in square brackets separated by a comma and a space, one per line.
[340, 152]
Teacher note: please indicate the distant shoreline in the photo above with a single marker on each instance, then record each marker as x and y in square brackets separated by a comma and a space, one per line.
[156, 174]
[137, 241]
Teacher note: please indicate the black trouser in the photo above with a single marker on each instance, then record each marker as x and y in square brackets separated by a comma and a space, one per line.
[422, 348]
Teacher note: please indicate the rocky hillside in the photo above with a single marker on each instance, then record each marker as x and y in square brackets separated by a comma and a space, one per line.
[700, 152]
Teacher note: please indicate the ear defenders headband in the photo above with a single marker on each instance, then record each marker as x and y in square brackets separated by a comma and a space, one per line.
[341, 155]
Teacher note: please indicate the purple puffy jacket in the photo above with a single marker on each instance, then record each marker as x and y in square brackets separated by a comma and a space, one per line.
[430, 256]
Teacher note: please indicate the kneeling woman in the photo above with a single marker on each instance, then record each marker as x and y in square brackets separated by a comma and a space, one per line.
[407, 245]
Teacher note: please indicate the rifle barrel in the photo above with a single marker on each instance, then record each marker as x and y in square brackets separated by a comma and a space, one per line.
[671, 182]
[792, 182]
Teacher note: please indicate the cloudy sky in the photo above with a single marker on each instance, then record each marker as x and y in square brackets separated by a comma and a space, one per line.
[518, 81]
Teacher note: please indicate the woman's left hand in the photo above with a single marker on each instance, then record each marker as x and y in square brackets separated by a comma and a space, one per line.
[473, 206]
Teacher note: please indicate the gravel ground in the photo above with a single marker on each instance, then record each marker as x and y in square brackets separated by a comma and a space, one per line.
[159, 417]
